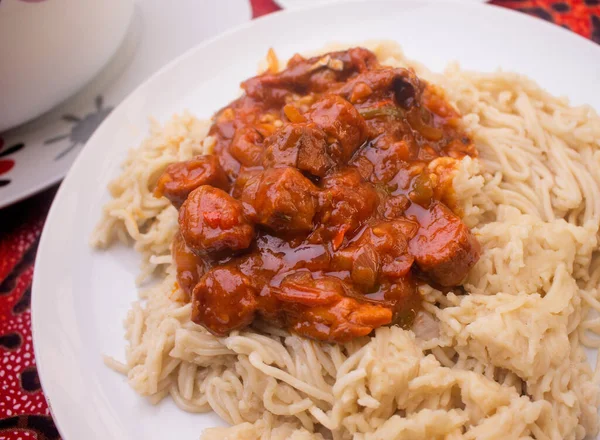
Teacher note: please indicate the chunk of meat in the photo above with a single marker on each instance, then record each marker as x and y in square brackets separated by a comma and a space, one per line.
[181, 178]
[342, 123]
[400, 296]
[394, 206]
[319, 308]
[283, 200]
[386, 244]
[384, 161]
[245, 175]
[444, 247]
[246, 146]
[346, 201]
[301, 288]
[190, 267]
[342, 321]
[308, 75]
[300, 145]
[260, 266]
[210, 221]
[398, 86]
[223, 300]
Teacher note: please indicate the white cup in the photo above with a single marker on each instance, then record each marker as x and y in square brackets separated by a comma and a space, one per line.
[49, 49]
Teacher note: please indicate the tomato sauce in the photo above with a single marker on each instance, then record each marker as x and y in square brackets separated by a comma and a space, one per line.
[327, 200]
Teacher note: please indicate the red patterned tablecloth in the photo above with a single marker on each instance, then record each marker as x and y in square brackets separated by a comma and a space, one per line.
[24, 413]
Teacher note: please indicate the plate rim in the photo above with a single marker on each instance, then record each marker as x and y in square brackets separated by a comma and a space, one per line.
[49, 388]
[282, 3]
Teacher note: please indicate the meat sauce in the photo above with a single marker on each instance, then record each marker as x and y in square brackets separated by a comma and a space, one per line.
[327, 200]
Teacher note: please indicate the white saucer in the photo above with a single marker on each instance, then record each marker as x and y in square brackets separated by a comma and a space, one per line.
[42, 151]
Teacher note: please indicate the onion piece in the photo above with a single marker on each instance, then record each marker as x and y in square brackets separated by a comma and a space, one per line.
[293, 114]
[387, 110]
[272, 61]
[327, 61]
[425, 326]
[365, 269]
[427, 131]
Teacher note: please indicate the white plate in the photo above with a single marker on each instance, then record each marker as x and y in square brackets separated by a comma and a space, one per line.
[80, 297]
[295, 4]
[157, 34]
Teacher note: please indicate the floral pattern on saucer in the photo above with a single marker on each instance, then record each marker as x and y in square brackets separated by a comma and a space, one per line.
[7, 164]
